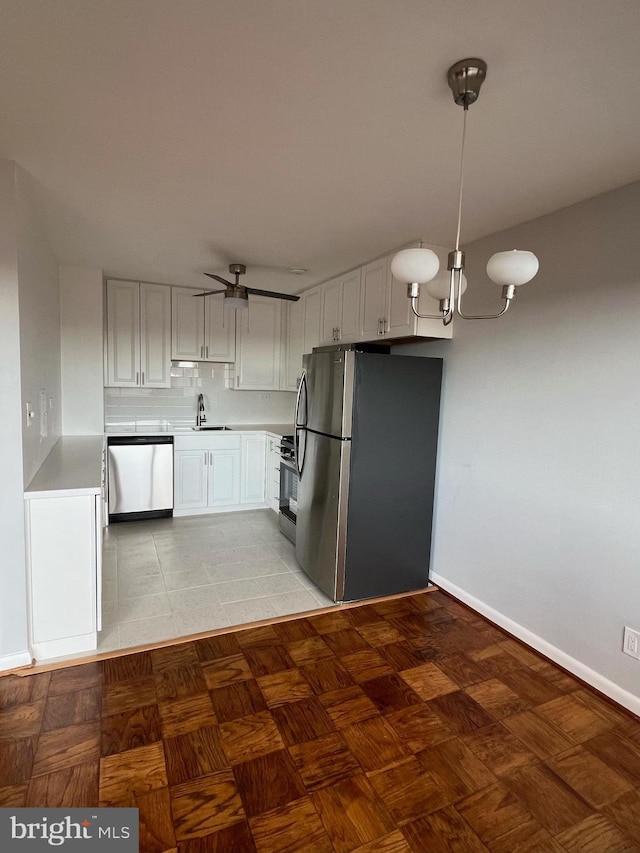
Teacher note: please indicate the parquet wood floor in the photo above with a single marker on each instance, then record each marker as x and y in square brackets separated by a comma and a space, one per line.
[404, 726]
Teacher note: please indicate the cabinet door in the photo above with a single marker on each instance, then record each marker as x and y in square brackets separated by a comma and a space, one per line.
[190, 479]
[155, 335]
[349, 325]
[258, 345]
[63, 542]
[224, 477]
[187, 326]
[272, 483]
[123, 334]
[399, 319]
[331, 311]
[373, 284]
[219, 330]
[312, 319]
[253, 469]
[293, 346]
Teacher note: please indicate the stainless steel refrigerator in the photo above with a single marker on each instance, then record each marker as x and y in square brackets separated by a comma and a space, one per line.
[366, 434]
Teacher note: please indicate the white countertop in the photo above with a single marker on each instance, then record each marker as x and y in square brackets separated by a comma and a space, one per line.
[74, 467]
[139, 428]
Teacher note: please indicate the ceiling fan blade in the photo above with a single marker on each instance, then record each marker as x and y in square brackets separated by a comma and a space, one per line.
[219, 278]
[209, 292]
[272, 293]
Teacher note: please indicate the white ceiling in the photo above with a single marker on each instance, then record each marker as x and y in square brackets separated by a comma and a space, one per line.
[169, 137]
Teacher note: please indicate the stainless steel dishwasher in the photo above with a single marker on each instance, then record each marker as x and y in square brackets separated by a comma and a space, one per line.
[140, 477]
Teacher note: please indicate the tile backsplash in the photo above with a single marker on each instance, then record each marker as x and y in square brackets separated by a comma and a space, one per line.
[178, 403]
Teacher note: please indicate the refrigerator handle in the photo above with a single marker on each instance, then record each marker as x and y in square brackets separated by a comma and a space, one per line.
[297, 425]
[302, 385]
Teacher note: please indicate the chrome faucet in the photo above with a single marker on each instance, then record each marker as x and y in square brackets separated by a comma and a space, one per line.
[200, 417]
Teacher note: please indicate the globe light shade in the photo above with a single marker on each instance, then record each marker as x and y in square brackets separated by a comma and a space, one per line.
[513, 267]
[237, 302]
[415, 266]
[439, 287]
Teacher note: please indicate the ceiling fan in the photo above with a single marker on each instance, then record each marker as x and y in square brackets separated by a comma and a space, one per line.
[237, 295]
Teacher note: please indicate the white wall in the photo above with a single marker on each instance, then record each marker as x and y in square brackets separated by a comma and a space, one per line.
[81, 330]
[13, 615]
[39, 296]
[538, 494]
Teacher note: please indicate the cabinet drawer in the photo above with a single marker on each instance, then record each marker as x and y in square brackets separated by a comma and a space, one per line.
[206, 442]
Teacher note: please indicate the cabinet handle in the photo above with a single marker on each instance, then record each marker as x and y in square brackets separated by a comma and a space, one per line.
[201, 351]
[206, 351]
[206, 458]
[379, 325]
[211, 458]
[143, 377]
[384, 325]
[137, 378]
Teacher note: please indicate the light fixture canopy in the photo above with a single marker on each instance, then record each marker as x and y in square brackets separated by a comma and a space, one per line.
[420, 265]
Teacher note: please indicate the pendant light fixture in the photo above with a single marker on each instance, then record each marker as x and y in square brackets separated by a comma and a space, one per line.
[420, 265]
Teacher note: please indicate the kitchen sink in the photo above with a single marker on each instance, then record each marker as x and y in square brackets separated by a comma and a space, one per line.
[201, 428]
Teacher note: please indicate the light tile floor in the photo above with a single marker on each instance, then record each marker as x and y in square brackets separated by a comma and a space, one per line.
[171, 577]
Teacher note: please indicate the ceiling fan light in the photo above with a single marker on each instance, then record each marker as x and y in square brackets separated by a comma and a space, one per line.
[514, 267]
[236, 302]
[415, 266]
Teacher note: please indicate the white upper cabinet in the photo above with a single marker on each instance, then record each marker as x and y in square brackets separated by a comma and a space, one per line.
[187, 333]
[350, 328]
[138, 335]
[373, 298]
[155, 336]
[386, 310]
[203, 330]
[312, 318]
[258, 345]
[331, 311]
[341, 309]
[293, 345]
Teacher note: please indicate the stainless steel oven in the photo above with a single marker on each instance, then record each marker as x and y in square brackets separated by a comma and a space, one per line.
[288, 489]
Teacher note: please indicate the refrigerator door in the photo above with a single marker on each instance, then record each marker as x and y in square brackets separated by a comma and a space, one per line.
[327, 396]
[322, 511]
[392, 474]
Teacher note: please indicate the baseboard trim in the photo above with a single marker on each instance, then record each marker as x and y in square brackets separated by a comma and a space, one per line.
[10, 662]
[590, 676]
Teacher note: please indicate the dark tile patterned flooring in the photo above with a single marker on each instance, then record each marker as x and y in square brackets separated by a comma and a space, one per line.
[411, 725]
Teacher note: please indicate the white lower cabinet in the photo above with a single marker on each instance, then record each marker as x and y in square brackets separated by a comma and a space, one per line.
[252, 467]
[190, 484]
[206, 473]
[219, 473]
[272, 476]
[64, 558]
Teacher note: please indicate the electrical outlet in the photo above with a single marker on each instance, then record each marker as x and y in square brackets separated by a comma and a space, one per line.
[31, 413]
[265, 396]
[631, 643]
